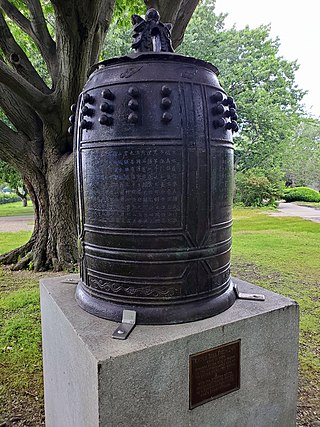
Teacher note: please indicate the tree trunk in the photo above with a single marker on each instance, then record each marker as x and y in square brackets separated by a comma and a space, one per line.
[23, 196]
[53, 244]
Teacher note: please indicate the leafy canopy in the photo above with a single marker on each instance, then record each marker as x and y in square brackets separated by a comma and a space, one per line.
[302, 155]
[260, 80]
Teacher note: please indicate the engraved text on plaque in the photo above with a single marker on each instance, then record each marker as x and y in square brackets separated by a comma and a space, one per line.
[214, 373]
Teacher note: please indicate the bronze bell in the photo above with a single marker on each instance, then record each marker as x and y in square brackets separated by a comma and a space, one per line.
[154, 186]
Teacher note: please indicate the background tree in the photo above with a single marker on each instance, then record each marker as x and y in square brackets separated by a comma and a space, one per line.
[260, 80]
[12, 178]
[302, 156]
[47, 48]
[268, 99]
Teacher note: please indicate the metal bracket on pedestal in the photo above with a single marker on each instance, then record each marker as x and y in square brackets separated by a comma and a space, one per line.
[128, 323]
[72, 281]
[252, 297]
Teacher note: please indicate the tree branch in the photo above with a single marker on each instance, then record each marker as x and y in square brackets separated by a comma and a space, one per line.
[183, 17]
[36, 29]
[21, 87]
[20, 114]
[16, 16]
[101, 30]
[16, 56]
[17, 150]
[178, 13]
[42, 37]
[12, 146]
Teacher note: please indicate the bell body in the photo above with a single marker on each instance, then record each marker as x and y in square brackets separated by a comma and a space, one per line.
[154, 161]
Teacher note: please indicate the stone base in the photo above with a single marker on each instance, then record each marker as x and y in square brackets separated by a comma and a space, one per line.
[93, 380]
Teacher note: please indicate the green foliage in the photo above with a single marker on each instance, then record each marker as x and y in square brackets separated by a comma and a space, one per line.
[303, 194]
[25, 41]
[123, 11]
[117, 43]
[11, 177]
[8, 198]
[302, 155]
[256, 187]
[118, 40]
[5, 119]
[20, 332]
[260, 80]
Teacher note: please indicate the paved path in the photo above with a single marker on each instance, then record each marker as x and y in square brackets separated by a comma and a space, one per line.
[291, 209]
[16, 223]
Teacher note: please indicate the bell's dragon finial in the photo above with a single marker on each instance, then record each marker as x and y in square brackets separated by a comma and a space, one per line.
[151, 35]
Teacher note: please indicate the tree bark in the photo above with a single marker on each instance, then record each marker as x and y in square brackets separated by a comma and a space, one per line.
[178, 13]
[23, 196]
[53, 244]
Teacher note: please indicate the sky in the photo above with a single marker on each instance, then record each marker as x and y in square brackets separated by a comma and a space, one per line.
[297, 24]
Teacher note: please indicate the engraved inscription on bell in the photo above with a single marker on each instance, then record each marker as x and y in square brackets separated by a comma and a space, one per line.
[140, 187]
[214, 373]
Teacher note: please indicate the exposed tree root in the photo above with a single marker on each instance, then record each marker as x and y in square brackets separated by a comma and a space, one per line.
[14, 256]
[23, 263]
[33, 256]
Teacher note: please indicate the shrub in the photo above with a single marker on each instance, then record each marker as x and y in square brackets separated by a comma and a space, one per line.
[8, 198]
[301, 194]
[256, 187]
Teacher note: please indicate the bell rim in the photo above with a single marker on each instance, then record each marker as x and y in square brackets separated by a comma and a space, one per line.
[161, 314]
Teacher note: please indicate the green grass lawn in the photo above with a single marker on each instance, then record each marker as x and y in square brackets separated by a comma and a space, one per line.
[15, 209]
[278, 253]
[21, 389]
[282, 254]
[9, 241]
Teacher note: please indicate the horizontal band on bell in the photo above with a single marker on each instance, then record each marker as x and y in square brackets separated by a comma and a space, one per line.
[148, 232]
[155, 257]
[150, 280]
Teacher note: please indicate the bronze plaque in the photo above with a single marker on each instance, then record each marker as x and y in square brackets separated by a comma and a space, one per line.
[214, 373]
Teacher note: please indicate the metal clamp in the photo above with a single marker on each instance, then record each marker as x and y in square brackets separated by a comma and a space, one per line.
[252, 297]
[72, 281]
[128, 323]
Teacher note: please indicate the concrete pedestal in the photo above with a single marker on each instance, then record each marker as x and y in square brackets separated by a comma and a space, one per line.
[93, 380]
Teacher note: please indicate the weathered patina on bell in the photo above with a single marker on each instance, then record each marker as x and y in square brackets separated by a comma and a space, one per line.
[154, 161]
